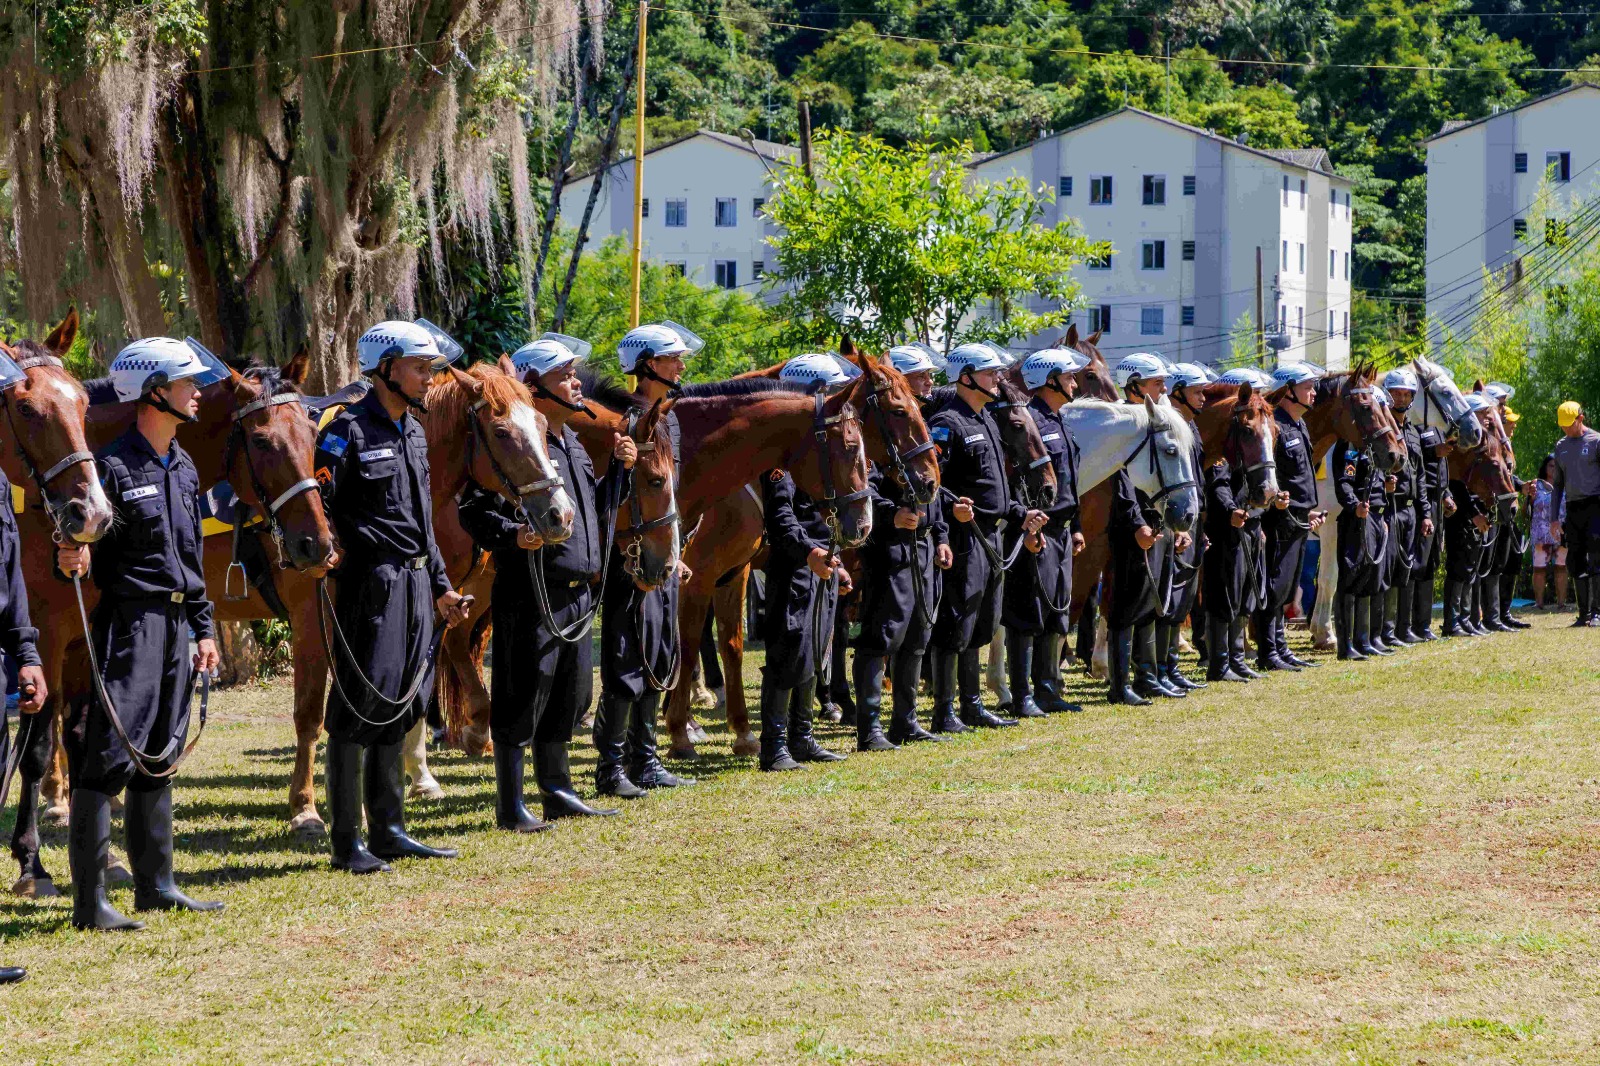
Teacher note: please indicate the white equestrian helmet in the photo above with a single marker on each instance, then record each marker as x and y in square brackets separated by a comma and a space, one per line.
[831, 370]
[1184, 375]
[1500, 391]
[156, 361]
[1248, 375]
[398, 339]
[911, 358]
[660, 338]
[1400, 378]
[1138, 367]
[974, 357]
[1038, 368]
[542, 356]
[1294, 374]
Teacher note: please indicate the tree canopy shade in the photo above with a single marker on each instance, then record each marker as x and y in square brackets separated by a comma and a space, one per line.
[893, 244]
[266, 171]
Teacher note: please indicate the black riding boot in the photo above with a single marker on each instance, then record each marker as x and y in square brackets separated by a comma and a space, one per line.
[88, 846]
[1361, 631]
[1236, 653]
[803, 746]
[1422, 610]
[973, 713]
[1020, 673]
[1268, 655]
[945, 719]
[868, 671]
[1472, 597]
[1393, 632]
[147, 827]
[1399, 611]
[1219, 663]
[1344, 616]
[904, 727]
[1375, 625]
[1489, 596]
[611, 721]
[1280, 640]
[644, 757]
[385, 790]
[510, 810]
[1147, 680]
[1047, 674]
[1580, 589]
[1593, 581]
[1119, 654]
[552, 769]
[344, 807]
[775, 726]
[1167, 658]
[1508, 592]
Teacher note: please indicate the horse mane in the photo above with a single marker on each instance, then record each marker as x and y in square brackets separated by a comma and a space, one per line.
[448, 399]
[705, 390]
[1330, 385]
[608, 392]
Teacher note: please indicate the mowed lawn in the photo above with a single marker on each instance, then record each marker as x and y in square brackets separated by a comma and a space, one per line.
[1391, 862]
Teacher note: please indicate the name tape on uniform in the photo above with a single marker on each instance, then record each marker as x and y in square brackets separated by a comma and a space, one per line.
[377, 453]
[141, 492]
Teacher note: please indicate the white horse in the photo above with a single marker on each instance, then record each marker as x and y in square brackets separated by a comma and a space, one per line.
[1439, 404]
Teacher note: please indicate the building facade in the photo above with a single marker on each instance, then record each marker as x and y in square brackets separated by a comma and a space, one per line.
[1484, 181]
[1187, 213]
[702, 209]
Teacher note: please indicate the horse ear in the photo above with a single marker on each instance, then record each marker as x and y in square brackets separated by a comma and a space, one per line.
[1150, 407]
[507, 367]
[646, 426]
[846, 346]
[1245, 392]
[1071, 338]
[1477, 385]
[465, 380]
[1093, 338]
[60, 339]
[295, 370]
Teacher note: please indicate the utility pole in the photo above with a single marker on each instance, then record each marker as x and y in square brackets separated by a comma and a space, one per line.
[805, 139]
[638, 168]
[1260, 324]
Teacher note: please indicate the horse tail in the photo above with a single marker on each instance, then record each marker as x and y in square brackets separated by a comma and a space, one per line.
[452, 689]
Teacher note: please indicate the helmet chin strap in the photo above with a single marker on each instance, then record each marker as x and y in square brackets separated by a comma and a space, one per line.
[160, 404]
[383, 376]
[1185, 401]
[539, 390]
[966, 379]
[644, 369]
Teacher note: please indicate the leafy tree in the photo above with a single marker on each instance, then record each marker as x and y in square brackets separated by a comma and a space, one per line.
[895, 243]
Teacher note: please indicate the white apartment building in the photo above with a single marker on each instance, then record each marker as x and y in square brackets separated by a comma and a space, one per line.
[1484, 177]
[702, 207]
[1186, 212]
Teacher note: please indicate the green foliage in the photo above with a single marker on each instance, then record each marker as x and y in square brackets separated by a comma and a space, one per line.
[892, 243]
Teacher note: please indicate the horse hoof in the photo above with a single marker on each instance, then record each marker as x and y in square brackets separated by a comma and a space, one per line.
[56, 817]
[308, 827]
[685, 752]
[747, 744]
[475, 742]
[117, 874]
[703, 699]
[26, 886]
[425, 790]
[45, 888]
[697, 735]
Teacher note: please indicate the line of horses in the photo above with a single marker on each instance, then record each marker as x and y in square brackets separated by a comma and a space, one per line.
[482, 426]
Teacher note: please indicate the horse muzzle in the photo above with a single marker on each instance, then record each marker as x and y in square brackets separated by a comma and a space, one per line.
[84, 520]
[1181, 510]
[551, 517]
[1469, 431]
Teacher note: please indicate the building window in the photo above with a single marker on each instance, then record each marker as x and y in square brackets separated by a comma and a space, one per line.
[1188, 251]
[756, 205]
[677, 213]
[1347, 323]
[1519, 227]
[1346, 205]
[1064, 186]
[1300, 321]
[1188, 185]
[727, 274]
[1100, 189]
[1283, 318]
[1333, 202]
[1333, 263]
[1188, 314]
[1286, 190]
[678, 268]
[1558, 165]
[1100, 319]
[1283, 264]
[644, 207]
[1347, 266]
[1155, 189]
[1100, 262]
[727, 211]
[1302, 194]
[1152, 322]
[1154, 255]
[1519, 162]
[758, 269]
[1332, 316]
[1302, 248]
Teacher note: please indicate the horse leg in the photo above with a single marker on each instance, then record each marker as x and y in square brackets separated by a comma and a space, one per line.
[1098, 666]
[55, 793]
[730, 606]
[414, 752]
[1322, 635]
[692, 604]
[33, 880]
[995, 671]
[310, 695]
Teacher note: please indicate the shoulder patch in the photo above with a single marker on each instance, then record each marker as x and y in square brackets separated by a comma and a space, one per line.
[940, 433]
[776, 476]
[1350, 470]
[334, 444]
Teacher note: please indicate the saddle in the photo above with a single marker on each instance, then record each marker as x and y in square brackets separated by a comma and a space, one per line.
[323, 408]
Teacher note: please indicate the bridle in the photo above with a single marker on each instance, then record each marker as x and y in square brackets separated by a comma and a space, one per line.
[1153, 430]
[1027, 468]
[902, 473]
[1453, 419]
[1255, 473]
[42, 480]
[1373, 431]
[638, 525]
[508, 486]
[831, 502]
[237, 442]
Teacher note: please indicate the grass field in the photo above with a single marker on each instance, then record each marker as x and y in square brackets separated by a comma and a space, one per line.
[1391, 862]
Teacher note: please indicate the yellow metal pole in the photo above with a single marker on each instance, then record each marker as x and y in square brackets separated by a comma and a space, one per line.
[638, 169]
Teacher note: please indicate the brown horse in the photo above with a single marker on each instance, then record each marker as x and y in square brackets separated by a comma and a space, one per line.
[251, 430]
[648, 536]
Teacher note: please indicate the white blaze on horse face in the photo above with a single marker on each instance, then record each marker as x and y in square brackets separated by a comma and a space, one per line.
[97, 506]
[1264, 435]
[526, 419]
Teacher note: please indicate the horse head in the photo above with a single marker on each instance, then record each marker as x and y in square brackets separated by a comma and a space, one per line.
[839, 464]
[899, 439]
[1024, 447]
[45, 413]
[1364, 421]
[1171, 447]
[483, 421]
[1252, 432]
[1095, 381]
[1443, 406]
[1486, 470]
[647, 523]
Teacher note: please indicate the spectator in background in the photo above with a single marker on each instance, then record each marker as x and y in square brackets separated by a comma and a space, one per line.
[1548, 553]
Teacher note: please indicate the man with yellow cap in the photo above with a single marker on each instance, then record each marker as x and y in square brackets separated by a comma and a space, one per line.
[1577, 478]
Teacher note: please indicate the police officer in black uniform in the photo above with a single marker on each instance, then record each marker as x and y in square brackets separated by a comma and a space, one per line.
[1437, 503]
[1293, 518]
[1037, 593]
[1467, 547]
[1408, 513]
[1359, 488]
[152, 597]
[902, 566]
[977, 500]
[639, 631]
[372, 461]
[543, 680]
[1186, 384]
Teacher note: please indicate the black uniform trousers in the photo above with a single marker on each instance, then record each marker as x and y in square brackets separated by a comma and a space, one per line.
[1581, 531]
[892, 616]
[1466, 551]
[1361, 550]
[970, 609]
[143, 645]
[798, 624]
[385, 608]
[1287, 532]
[533, 665]
[1037, 590]
[638, 628]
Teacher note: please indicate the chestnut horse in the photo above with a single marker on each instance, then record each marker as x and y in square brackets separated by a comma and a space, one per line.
[251, 430]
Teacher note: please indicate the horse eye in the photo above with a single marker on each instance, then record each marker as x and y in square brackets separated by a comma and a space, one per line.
[1170, 449]
[260, 440]
[657, 482]
[502, 432]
